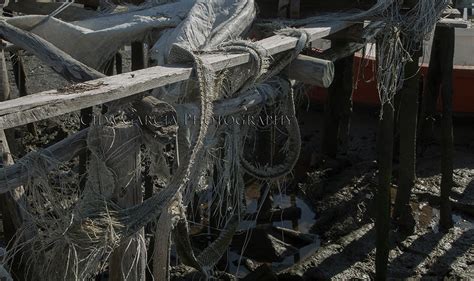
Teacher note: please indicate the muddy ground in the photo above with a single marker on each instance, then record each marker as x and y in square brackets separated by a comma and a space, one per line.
[340, 194]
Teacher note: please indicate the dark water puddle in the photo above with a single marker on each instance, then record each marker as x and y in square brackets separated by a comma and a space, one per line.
[428, 217]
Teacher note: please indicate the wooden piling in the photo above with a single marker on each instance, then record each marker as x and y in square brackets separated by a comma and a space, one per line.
[127, 262]
[440, 80]
[382, 197]
[13, 204]
[338, 108]
[446, 41]
[20, 81]
[408, 115]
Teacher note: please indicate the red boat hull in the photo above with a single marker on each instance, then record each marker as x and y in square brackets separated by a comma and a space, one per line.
[366, 93]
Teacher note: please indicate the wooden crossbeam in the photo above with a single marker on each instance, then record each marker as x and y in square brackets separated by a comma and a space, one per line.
[458, 23]
[53, 103]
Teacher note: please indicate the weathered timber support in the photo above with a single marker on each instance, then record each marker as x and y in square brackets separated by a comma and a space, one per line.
[439, 80]
[312, 71]
[12, 204]
[382, 197]
[85, 121]
[12, 219]
[16, 175]
[338, 108]
[139, 60]
[408, 116]
[20, 81]
[162, 262]
[127, 262]
[446, 54]
[118, 63]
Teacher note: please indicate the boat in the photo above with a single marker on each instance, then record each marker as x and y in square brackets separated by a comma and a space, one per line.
[365, 90]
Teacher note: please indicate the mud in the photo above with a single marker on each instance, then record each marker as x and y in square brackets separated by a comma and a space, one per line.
[341, 193]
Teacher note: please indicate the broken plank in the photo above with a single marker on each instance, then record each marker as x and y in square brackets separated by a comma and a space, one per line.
[459, 23]
[312, 71]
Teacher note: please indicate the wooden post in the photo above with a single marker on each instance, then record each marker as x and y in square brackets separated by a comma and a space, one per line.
[118, 63]
[86, 119]
[13, 215]
[20, 81]
[382, 197]
[12, 204]
[138, 56]
[338, 108]
[446, 41]
[127, 262]
[408, 115]
[439, 80]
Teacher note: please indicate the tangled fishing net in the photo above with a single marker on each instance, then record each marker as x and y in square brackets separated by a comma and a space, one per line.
[75, 232]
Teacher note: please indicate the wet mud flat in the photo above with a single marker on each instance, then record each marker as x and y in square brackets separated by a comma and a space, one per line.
[341, 193]
[333, 236]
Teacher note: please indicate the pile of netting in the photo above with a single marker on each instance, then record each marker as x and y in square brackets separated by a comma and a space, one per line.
[73, 233]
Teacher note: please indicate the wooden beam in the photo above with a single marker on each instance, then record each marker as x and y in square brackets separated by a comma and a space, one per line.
[344, 48]
[459, 23]
[16, 175]
[312, 71]
[53, 103]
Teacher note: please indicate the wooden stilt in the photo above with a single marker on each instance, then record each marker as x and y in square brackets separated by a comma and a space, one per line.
[382, 198]
[138, 56]
[408, 114]
[12, 204]
[20, 81]
[338, 108]
[446, 41]
[128, 261]
[439, 80]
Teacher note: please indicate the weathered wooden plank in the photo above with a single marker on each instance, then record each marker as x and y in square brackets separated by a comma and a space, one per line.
[459, 23]
[312, 71]
[53, 103]
[17, 175]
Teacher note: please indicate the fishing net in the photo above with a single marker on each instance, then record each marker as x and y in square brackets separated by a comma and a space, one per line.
[77, 231]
